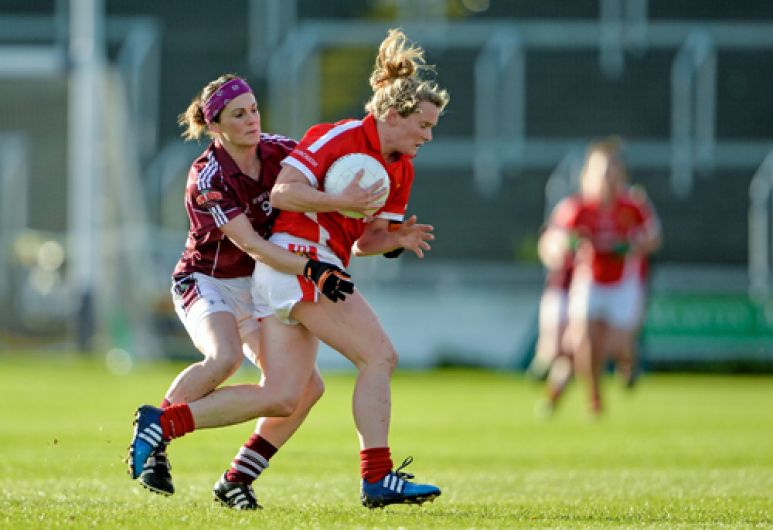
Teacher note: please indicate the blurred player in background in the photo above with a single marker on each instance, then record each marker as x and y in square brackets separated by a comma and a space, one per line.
[402, 112]
[552, 359]
[227, 201]
[610, 234]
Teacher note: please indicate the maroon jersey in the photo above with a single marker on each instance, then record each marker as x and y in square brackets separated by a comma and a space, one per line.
[216, 192]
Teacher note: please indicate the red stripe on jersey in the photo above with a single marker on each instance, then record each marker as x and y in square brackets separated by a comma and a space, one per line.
[308, 290]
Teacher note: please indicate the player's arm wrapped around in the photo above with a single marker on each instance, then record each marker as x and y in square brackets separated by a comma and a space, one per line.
[332, 281]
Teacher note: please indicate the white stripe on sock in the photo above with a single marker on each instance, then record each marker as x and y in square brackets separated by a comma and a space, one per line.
[246, 470]
[253, 456]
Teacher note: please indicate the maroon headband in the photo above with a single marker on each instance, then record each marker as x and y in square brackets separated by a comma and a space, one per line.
[221, 97]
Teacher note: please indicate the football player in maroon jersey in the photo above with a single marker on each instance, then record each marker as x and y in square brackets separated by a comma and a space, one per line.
[230, 214]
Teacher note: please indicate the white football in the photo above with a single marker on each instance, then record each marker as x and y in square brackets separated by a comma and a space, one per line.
[343, 170]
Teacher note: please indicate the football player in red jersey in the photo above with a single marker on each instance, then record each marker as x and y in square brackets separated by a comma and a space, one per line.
[227, 202]
[402, 113]
[610, 233]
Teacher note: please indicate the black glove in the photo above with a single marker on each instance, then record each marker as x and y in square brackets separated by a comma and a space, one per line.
[331, 281]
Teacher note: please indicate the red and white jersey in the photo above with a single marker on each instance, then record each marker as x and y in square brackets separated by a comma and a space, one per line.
[606, 227]
[322, 145]
[216, 192]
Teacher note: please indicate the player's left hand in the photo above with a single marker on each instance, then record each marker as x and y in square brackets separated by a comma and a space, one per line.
[334, 282]
[413, 236]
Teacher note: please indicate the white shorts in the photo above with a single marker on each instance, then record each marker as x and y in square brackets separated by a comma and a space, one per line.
[276, 293]
[199, 295]
[618, 304]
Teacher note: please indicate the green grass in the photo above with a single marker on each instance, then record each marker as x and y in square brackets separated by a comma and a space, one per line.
[680, 451]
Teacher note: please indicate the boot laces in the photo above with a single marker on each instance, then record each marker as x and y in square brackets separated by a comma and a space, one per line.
[402, 474]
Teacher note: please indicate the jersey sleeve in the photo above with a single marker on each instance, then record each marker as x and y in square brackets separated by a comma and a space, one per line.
[321, 146]
[211, 202]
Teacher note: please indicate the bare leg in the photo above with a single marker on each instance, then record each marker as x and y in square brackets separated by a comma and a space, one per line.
[551, 327]
[589, 357]
[282, 391]
[352, 328]
[219, 342]
[621, 344]
[277, 430]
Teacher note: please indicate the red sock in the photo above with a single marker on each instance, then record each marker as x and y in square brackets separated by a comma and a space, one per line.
[176, 420]
[251, 460]
[165, 403]
[375, 463]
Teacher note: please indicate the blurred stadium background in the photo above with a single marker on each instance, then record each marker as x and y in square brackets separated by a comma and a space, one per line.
[92, 167]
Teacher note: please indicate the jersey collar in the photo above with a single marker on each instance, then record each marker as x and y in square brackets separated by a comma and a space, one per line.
[371, 133]
[227, 164]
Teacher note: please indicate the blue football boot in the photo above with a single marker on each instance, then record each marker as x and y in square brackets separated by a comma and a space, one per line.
[147, 436]
[395, 489]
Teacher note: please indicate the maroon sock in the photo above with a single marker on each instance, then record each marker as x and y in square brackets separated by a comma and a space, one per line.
[375, 463]
[176, 420]
[251, 460]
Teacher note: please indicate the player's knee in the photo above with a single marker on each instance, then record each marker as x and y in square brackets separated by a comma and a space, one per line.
[393, 360]
[315, 388]
[285, 406]
[386, 361]
[284, 402]
[224, 364]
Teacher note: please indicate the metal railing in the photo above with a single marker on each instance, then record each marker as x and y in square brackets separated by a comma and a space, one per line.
[761, 231]
[623, 27]
[139, 58]
[14, 203]
[693, 110]
[500, 76]
[294, 90]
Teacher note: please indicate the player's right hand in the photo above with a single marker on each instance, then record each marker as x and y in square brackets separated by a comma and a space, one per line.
[414, 236]
[355, 198]
[334, 282]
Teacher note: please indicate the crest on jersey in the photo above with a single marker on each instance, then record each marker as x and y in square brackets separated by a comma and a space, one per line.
[208, 198]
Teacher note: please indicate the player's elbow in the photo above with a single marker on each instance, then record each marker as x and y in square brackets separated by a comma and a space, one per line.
[287, 197]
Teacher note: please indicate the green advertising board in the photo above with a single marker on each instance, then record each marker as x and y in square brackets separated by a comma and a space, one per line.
[696, 327]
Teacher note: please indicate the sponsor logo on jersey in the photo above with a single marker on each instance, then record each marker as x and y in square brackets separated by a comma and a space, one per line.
[208, 198]
[306, 156]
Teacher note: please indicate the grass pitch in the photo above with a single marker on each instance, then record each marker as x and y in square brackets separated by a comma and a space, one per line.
[679, 451]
